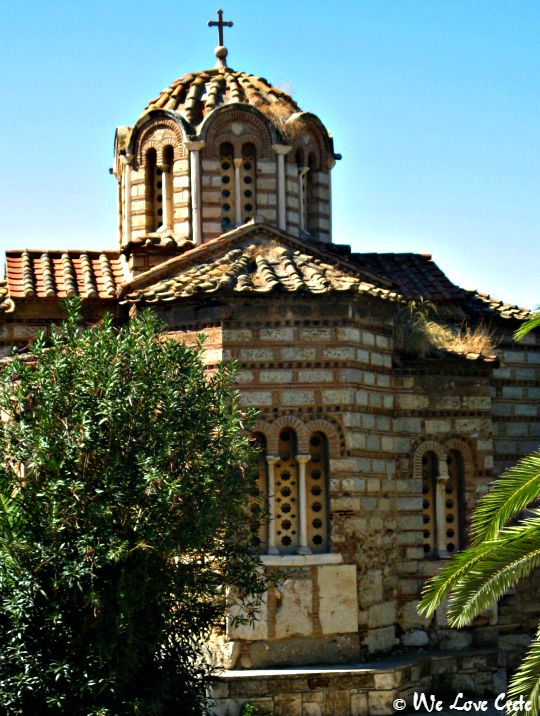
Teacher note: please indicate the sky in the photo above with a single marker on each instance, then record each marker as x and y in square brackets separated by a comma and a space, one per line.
[434, 105]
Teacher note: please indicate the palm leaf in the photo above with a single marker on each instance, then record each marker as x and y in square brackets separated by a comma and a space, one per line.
[518, 487]
[529, 325]
[517, 555]
[456, 569]
[526, 680]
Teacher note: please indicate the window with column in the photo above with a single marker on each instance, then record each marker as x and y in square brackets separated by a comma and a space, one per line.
[298, 496]
[238, 184]
[442, 474]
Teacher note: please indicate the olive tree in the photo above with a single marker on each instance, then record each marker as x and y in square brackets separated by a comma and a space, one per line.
[125, 472]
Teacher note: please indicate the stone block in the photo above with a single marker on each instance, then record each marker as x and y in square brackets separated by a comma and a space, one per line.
[297, 397]
[256, 398]
[294, 608]
[311, 708]
[338, 602]
[380, 702]
[341, 396]
[382, 639]
[276, 376]
[337, 703]
[299, 353]
[249, 631]
[257, 354]
[412, 402]
[316, 333]
[319, 375]
[416, 637]
[456, 640]
[382, 614]
[359, 704]
[279, 333]
[287, 705]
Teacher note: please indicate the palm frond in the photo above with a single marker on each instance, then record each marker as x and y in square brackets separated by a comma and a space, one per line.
[526, 680]
[529, 325]
[457, 568]
[517, 488]
[517, 555]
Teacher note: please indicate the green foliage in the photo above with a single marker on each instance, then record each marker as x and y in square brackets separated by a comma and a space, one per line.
[501, 554]
[124, 477]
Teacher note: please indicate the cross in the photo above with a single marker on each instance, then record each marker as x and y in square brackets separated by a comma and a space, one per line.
[220, 24]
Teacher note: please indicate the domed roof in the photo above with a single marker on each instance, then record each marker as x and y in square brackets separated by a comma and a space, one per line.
[196, 94]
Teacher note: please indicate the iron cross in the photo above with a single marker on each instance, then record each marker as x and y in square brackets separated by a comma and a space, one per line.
[220, 24]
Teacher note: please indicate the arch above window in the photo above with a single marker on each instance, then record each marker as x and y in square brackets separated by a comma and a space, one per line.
[441, 471]
[298, 486]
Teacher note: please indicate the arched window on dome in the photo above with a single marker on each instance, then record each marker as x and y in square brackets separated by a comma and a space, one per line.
[167, 219]
[311, 202]
[151, 193]
[248, 181]
[302, 189]
[228, 186]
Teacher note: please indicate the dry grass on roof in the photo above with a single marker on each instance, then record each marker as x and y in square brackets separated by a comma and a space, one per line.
[418, 333]
[463, 339]
[279, 113]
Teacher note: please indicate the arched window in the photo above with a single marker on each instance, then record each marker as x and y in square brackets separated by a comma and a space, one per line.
[429, 491]
[311, 203]
[248, 182]
[259, 496]
[152, 190]
[454, 502]
[296, 487]
[317, 493]
[228, 187]
[167, 187]
[286, 521]
[442, 474]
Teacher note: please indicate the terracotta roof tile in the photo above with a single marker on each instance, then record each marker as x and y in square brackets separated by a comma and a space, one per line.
[483, 303]
[257, 268]
[414, 275]
[196, 94]
[56, 274]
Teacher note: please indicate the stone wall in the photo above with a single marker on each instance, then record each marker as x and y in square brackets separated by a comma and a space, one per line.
[360, 690]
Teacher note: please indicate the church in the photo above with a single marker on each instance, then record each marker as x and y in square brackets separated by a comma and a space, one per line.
[374, 446]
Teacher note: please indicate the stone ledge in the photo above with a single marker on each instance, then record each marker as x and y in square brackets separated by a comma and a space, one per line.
[301, 560]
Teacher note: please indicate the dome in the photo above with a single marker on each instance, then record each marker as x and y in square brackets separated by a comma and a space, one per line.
[196, 94]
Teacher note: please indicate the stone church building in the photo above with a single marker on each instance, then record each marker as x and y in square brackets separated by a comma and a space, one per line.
[373, 453]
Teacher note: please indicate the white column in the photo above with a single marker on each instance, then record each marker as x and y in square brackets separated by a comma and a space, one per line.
[302, 504]
[440, 499]
[238, 191]
[272, 549]
[165, 191]
[281, 150]
[302, 208]
[126, 198]
[195, 172]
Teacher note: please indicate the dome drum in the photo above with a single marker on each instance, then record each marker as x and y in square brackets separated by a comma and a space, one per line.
[215, 150]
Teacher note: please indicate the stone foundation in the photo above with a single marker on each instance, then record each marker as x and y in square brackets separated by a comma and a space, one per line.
[360, 689]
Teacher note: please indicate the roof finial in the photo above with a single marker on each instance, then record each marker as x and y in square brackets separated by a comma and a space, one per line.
[220, 51]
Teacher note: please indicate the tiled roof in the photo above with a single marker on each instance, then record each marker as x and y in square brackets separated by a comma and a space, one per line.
[196, 94]
[56, 274]
[256, 268]
[414, 275]
[483, 303]
[6, 304]
[160, 241]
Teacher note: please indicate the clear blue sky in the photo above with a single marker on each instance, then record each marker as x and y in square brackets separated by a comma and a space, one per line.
[434, 104]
